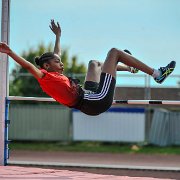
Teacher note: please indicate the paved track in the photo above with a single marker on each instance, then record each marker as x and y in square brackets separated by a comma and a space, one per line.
[131, 165]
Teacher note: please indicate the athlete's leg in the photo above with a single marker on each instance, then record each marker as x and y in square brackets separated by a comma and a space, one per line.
[123, 68]
[92, 78]
[94, 71]
[114, 56]
[127, 68]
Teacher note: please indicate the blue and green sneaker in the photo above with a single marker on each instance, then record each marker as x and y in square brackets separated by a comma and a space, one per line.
[165, 72]
[134, 70]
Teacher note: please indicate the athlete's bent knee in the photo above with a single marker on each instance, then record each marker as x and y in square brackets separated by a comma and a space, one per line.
[113, 51]
[93, 64]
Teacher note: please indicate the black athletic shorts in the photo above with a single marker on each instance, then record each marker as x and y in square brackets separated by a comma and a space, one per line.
[96, 98]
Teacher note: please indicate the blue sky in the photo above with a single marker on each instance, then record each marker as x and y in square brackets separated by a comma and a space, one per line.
[148, 28]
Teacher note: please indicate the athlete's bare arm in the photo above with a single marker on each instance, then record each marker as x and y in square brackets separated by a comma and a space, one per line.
[4, 48]
[56, 29]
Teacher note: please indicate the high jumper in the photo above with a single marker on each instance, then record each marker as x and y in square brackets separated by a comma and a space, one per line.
[97, 94]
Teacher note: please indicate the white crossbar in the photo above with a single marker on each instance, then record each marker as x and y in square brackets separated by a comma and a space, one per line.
[135, 102]
[164, 102]
[20, 98]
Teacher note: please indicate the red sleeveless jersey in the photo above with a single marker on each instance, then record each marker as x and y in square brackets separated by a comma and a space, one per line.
[59, 87]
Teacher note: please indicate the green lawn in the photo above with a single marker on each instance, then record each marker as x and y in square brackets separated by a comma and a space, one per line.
[94, 147]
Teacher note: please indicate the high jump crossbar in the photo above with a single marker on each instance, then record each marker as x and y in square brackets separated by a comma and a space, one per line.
[132, 102]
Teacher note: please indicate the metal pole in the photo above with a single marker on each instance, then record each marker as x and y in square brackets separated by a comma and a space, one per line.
[4, 85]
[147, 94]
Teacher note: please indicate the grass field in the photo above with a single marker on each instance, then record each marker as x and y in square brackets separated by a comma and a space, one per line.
[94, 147]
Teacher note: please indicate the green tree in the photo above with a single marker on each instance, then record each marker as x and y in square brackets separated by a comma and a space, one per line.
[24, 84]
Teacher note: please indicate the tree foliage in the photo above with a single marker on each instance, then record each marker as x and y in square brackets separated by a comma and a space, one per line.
[24, 84]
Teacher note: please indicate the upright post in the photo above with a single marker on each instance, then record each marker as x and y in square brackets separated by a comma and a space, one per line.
[4, 85]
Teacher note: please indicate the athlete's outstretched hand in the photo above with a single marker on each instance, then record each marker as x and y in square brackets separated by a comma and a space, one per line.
[56, 29]
[4, 48]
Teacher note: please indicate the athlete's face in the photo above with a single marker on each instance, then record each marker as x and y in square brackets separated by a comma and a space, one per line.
[55, 64]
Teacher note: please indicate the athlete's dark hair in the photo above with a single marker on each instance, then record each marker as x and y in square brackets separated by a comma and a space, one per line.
[44, 58]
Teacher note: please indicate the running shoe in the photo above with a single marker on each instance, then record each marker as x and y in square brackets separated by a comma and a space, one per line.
[165, 72]
[127, 51]
[132, 69]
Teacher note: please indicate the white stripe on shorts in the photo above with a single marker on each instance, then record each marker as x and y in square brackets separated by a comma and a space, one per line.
[104, 90]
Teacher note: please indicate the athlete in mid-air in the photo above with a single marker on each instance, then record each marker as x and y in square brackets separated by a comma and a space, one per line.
[97, 94]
